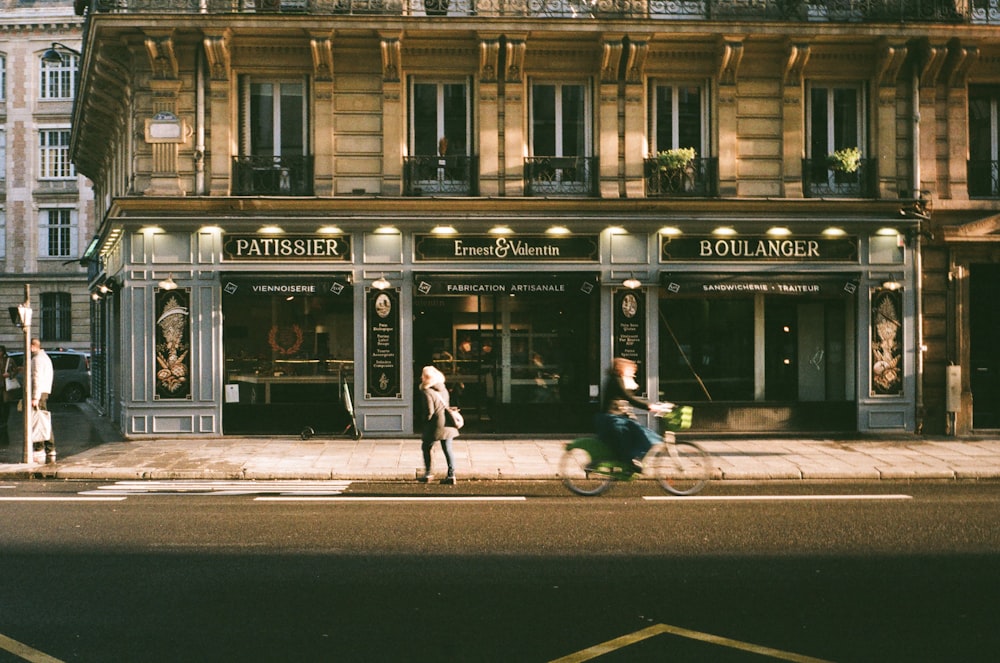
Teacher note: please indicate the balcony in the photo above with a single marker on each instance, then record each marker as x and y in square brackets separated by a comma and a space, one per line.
[863, 11]
[272, 176]
[452, 175]
[560, 176]
[984, 178]
[820, 181]
[699, 178]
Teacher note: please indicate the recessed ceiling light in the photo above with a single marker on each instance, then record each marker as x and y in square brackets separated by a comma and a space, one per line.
[724, 231]
[779, 231]
[670, 230]
[834, 232]
[501, 230]
[443, 230]
[558, 230]
[271, 230]
[330, 230]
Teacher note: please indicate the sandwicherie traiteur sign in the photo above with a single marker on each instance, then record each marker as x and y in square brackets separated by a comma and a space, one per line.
[287, 247]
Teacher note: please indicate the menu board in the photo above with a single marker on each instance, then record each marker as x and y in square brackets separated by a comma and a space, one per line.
[382, 370]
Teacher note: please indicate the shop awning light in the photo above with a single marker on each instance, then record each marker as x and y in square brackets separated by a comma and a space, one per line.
[724, 231]
[887, 232]
[779, 231]
[670, 231]
[557, 230]
[501, 230]
[330, 230]
[381, 283]
[387, 230]
[271, 230]
[211, 229]
[168, 283]
[632, 283]
[617, 230]
[150, 230]
[834, 232]
[443, 230]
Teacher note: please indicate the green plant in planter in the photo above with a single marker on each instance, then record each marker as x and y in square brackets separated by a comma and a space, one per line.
[847, 160]
[675, 159]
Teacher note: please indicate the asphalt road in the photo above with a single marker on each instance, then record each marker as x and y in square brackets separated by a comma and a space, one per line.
[498, 572]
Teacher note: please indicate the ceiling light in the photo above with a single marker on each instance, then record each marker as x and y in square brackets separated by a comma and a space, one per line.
[386, 230]
[887, 232]
[779, 231]
[670, 231]
[443, 230]
[557, 230]
[724, 231]
[501, 230]
[330, 230]
[617, 230]
[834, 232]
[632, 283]
[271, 230]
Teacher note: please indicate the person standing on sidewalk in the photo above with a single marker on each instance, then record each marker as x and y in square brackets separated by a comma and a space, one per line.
[41, 386]
[436, 400]
[7, 397]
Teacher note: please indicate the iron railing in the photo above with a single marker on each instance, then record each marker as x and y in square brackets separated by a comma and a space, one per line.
[272, 176]
[863, 11]
[820, 181]
[560, 176]
[700, 177]
[984, 178]
[453, 175]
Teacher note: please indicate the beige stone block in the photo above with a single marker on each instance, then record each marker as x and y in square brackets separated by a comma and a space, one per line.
[758, 189]
[357, 103]
[358, 145]
[758, 126]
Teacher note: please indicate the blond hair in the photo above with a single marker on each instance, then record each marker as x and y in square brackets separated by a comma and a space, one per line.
[431, 376]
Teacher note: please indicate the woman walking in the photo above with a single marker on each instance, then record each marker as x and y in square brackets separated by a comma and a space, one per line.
[436, 401]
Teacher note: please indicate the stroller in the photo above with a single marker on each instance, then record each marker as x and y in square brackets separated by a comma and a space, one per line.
[352, 425]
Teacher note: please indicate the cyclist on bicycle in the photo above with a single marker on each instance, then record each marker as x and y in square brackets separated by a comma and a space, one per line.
[616, 424]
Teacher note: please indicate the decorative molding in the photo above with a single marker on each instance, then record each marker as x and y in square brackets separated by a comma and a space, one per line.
[931, 61]
[611, 57]
[322, 57]
[797, 57]
[635, 64]
[218, 55]
[162, 59]
[730, 56]
[515, 60]
[391, 59]
[961, 62]
[890, 58]
[489, 60]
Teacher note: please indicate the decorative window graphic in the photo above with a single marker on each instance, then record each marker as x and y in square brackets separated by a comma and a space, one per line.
[173, 344]
[887, 343]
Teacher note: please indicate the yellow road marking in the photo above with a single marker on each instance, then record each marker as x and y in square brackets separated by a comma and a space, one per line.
[22, 650]
[657, 629]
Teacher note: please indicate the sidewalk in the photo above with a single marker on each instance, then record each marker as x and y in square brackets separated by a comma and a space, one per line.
[379, 459]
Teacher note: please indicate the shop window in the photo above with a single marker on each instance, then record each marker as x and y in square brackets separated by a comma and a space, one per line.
[836, 164]
[560, 160]
[56, 323]
[984, 141]
[679, 160]
[439, 159]
[274, 141]
[58, 79]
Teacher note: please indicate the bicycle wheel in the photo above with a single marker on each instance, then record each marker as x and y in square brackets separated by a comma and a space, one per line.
[579, 476]
[682, 467]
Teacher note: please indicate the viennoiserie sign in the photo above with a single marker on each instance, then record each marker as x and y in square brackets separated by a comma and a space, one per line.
[522, 248]
[759, 249]
[287, 247]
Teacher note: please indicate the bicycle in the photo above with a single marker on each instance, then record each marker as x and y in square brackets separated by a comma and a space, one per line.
[681, 467]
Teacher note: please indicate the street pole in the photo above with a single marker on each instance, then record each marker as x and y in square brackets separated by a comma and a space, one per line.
[29, 447]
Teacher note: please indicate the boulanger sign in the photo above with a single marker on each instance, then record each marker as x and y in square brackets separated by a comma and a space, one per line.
[523, 248]
[759, 249]
[327, 248]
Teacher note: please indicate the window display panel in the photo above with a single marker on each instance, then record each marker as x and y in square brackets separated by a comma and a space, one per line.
[288, 346]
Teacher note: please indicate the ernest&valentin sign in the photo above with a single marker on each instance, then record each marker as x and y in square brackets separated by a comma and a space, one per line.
[523, 248]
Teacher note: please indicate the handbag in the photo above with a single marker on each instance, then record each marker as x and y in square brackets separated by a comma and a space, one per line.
[41, 426]
[11, 384]
[453, 417]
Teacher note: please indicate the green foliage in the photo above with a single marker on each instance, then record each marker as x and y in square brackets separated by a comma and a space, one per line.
[675, 159]
[847, 160]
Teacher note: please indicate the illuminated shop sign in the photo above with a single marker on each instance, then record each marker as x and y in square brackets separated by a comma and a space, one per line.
[522, 248]
[317, 285]
[515, 283]
[335, 248]
[801, 285]
[759, 249]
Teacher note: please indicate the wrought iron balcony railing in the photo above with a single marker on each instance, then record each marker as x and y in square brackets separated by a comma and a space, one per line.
[452, 175]
[820, 181]
[866, 11]
[984, 178]
[560, 176]
[272, 176]
[700, 177]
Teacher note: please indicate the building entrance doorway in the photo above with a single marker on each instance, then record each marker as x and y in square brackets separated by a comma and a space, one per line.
[519, 354]
[984, 353]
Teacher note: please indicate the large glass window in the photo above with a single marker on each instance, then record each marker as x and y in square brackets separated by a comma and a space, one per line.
[559, 126]
[276, 121]
[439, 117]
[57, 233]
[58, 79]
[835, 119]
[678, 118]
[984, 141]
[54, 162]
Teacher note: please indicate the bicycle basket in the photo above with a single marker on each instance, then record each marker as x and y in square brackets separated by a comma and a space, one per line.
[679, 418]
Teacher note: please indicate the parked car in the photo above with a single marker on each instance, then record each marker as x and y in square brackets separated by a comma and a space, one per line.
[71, 374]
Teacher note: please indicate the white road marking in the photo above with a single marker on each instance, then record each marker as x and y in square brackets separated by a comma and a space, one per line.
[25, 652]
[756, 498]
[57, 498]
[221, 488]
[387, 498]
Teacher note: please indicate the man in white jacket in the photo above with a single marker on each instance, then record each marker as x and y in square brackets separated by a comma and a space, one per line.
[41, 387]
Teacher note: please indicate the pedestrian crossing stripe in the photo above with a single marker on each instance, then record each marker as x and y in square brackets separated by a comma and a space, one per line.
[222, 488]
